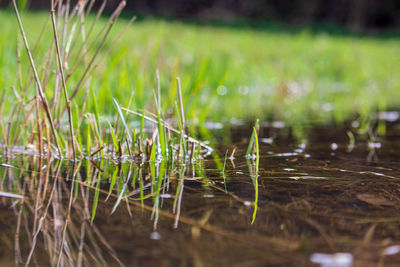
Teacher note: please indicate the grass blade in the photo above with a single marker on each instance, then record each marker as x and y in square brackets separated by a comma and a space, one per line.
[255, 178]
[252, 138]
[123, 120]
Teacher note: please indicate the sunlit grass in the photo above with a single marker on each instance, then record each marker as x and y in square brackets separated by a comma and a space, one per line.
[59, 105]
[284, 75]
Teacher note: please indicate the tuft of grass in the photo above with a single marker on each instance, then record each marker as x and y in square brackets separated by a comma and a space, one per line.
[65, 68]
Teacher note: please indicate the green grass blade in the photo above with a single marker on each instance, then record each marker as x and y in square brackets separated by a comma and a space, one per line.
[96, 199]
[252, 138]
[113, 180]
[96, 114]
[123, 120]
[113, 137]
[255, 179]
[142, 126]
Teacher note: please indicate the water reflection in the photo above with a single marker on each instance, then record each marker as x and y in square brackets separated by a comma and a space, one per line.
[300, 200]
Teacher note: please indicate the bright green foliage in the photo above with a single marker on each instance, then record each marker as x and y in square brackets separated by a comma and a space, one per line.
[294, 75]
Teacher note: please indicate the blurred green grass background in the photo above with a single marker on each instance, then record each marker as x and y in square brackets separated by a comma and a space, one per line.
[229, 72]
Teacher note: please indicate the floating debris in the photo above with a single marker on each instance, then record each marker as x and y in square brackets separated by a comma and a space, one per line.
[392, 250]
[332, 260]
[374, 145]
[390, 116]
[155, 236]
[306, 177]
[334, 146]
[7, 165]
[267, 140]
[10, 195]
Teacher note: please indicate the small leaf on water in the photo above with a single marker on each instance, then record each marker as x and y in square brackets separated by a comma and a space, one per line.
[375, 200]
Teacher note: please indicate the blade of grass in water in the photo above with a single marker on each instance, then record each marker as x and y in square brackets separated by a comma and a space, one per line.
[142, 125]
[121, 194]
[113, 137]
[153, 153]
[96, 114]
[223, 171]
[113, 180]
[255, 178]
[182, 142]
[141, 191]
[123, 120]
[96, 199]
[88, 140]
[161, 135]
[252, 138]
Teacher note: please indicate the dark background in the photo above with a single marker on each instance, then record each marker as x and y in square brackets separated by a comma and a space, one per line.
[358, 15]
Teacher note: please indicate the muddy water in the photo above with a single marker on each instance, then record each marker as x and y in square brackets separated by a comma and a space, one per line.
[316, 195]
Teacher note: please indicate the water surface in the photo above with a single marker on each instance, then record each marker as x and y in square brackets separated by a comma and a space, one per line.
[316, 191]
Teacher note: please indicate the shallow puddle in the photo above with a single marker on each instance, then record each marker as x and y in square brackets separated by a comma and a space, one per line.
[319, 199]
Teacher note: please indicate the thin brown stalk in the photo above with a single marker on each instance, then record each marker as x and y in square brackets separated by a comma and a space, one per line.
[89, 8]
[38, 125]
[69, 43]
[81, 244]
[67, 219]
[8, 140]
[112, 20]
[140, 145]
[39, 86]
[178, 81]
[129, 147]
[43, 217]
[99, 12]
[82, 51]
[191, 152]
[97, 151]
[182, 115]
[3, 99]
[119, 150]
[17, 247]
[60, 63]
[113, 42]
[232, 156]
[177, 211]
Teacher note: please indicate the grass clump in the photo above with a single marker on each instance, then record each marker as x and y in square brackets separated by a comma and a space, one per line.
[56, 117]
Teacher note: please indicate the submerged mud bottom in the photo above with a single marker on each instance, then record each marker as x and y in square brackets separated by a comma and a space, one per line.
[317, 194]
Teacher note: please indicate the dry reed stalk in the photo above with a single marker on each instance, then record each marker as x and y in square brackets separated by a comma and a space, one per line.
[37, 80]
[60, 63]
[182, 115]
[38, 121]
[111, 23]
[17, 249]
[129, 147]
[119, 150]
[114, 41]
[8, 140]
[96, 151]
